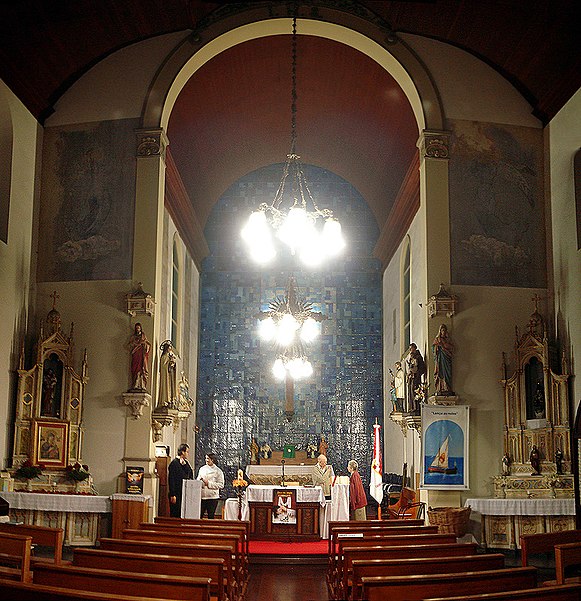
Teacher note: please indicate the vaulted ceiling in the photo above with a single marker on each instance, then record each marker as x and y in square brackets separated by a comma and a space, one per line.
[233, 116]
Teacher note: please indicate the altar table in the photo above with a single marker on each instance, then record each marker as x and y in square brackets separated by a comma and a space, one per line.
[78, 515]
[272, 474]
[337, 508]
[504, 520]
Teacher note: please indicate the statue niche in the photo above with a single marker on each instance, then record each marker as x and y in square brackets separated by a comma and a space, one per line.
[537, 440]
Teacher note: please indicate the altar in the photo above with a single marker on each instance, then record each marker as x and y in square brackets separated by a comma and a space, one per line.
[314, 512]
[78, 515]
[504, 520]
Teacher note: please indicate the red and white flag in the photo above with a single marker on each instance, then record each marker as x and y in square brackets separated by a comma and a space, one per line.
[376, 481]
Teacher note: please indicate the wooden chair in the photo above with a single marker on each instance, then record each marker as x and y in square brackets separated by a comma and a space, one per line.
[407, 507]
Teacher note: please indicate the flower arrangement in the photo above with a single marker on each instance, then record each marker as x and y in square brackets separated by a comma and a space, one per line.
[77, 472]
[239, 481]
[27, 470]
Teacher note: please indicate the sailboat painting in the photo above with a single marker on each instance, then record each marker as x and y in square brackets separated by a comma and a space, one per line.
[445, 447]
[440, 463]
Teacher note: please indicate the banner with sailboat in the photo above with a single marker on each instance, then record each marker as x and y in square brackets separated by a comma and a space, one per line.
[445, 447]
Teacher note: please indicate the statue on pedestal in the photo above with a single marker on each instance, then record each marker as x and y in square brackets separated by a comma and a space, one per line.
[443, 349]
[139, 348]
[167, 377]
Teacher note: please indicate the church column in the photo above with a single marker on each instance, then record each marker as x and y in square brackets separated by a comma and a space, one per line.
[147, 269]
[434, 148]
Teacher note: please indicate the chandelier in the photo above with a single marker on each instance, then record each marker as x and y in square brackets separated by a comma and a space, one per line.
[293, 216]
[290, 323]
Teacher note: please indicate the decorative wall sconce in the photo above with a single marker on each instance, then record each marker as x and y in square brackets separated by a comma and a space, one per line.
[140, 302]
[442, 303]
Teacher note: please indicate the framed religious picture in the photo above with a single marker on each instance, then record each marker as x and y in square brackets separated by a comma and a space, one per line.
[284, 506]
[51, 443]
[444, 447]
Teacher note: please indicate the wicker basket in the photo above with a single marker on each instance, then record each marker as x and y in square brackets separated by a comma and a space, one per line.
[450, 520]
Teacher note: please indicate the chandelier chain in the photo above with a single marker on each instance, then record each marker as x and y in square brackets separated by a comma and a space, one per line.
[294, 88]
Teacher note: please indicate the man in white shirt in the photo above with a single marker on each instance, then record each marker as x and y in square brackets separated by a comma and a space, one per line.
[323, 475]
[212, 478]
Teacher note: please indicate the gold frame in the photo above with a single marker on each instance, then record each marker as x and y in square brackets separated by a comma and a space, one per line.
[51, 454]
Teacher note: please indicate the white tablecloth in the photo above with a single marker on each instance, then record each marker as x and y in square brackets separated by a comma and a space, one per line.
[135, 498]
[304, 495]
[336, 509]
[56, 502]
[522, 506]
[231, 510]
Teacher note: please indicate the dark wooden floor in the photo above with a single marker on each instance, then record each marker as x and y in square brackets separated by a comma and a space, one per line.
[287, 582]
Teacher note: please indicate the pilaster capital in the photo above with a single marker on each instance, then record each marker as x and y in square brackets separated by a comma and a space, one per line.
[151, 143]
[434, 144]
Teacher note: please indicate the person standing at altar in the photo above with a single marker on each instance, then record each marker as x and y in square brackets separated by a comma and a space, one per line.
[212, 478]
[323, 475]
[357, 497]
[178, 471]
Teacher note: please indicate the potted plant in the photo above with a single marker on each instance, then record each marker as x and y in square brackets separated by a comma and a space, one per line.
[27, 471]
[77, 473]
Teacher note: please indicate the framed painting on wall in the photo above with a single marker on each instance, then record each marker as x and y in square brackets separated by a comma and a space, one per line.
[51, 443]
[445, 447]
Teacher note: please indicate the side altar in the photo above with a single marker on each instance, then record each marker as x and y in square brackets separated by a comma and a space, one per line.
[535, 491]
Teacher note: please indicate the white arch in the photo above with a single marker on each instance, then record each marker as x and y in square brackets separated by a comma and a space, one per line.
[178, 70]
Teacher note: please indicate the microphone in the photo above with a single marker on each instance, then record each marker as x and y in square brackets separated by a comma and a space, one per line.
[282, 462]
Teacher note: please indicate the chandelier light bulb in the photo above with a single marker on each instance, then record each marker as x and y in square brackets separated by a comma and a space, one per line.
[267, 329]
[287, 328]
[279, 370]
[332, 236]
[309, 330]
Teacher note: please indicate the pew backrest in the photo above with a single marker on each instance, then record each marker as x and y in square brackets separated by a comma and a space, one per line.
[566, 556]
[20, 591]
[568, 592]
[360, 568]
[209, 567]
[15, 550]
[417, 587]
[545, 542]
[41, 535]
[123, 583]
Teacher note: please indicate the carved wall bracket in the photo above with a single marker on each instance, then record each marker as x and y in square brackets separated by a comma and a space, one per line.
[137, 401]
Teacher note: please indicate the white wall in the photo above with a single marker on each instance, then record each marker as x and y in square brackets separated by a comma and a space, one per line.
[16, 257]
[564, 135]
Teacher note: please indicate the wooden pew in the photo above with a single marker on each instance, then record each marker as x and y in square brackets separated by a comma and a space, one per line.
[199, 567]
[335, 569]
[567, 592]
[225, 526]
[20, 591]
[42, 536]
[122, 583]
[201, 538]
[15, 550]
[423, 586]
[566, 556]
[179, 550]
[360, 568]
[545, 542]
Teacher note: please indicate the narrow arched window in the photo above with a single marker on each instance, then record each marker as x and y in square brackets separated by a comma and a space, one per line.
[175, 288]
[406, 296]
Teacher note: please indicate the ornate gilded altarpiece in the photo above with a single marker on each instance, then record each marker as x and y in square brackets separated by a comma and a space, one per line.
[48, 428]
[536, 405]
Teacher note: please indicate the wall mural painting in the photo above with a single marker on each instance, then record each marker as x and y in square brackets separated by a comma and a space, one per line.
[496, 205]
[87, 202]
[238, 397]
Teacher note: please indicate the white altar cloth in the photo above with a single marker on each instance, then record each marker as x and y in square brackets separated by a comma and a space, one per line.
[55, 502]
[337, 509]
[522, 506]
[263, 494]
[276, 470]
[119, 496]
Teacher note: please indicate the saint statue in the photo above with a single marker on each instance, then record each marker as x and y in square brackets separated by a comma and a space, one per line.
[167, 377]
[254, 451]
[535, 459]
[559, 461]
[443, 349]
[416, 368]
[323, 446]
[139, 348]
[505, 465]
[49, 382]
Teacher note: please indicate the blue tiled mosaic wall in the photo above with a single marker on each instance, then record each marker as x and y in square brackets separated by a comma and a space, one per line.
[237, 396]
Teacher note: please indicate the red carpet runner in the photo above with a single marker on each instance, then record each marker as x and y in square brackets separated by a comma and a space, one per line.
[264, 547]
